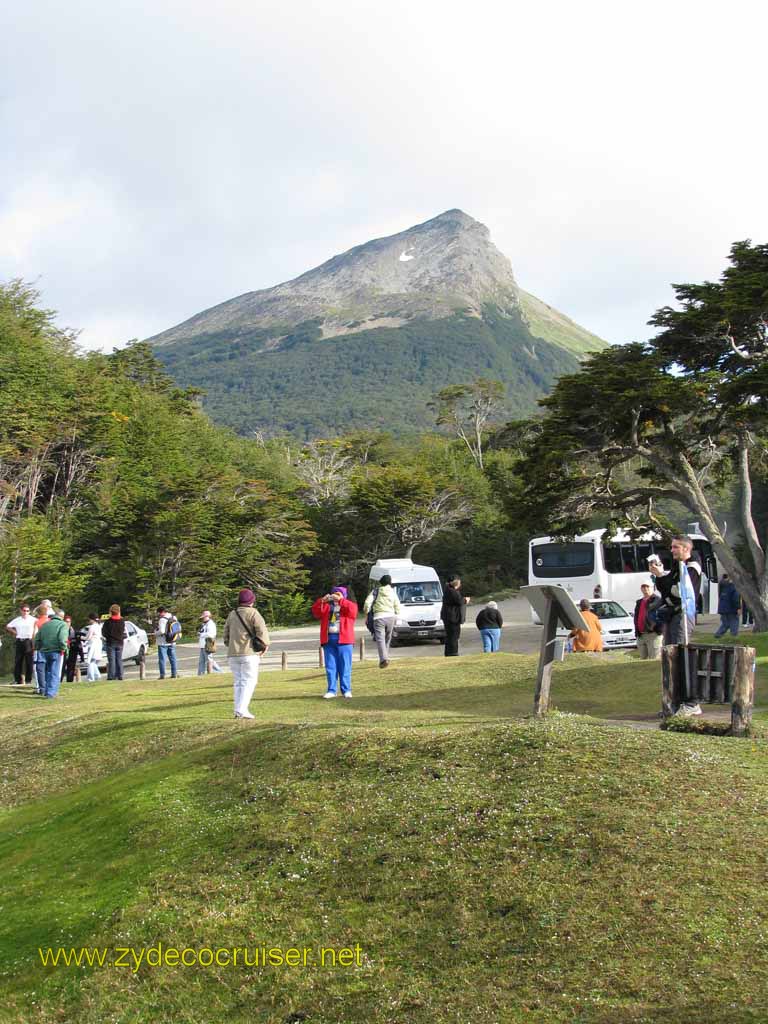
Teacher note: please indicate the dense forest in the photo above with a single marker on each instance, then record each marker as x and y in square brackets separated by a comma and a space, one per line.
[116, 486]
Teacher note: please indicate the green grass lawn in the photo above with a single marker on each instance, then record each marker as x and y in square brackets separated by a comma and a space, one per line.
[486, 867]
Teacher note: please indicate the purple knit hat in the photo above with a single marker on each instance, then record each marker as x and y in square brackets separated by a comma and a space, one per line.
[340, 590]
[246, 597]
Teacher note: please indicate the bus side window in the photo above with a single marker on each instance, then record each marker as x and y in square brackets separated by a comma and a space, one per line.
[612, 554]
[707, 559]
[628, 560]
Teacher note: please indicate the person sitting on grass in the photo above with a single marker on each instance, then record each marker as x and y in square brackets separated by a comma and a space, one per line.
[590, 639]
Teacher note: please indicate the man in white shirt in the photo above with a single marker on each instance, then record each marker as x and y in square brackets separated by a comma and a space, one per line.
[206, 633]
[23, 628]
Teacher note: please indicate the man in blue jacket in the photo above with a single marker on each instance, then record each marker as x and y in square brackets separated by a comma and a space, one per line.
[728, 607]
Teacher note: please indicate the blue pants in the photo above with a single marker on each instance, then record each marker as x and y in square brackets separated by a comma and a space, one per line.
[491, 640]
[114, 661]
[729, 620]
[52, 660]
[170, 651]
[338, 664]
[40, 671]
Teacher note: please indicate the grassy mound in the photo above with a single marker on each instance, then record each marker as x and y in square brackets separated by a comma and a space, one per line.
[478, 865]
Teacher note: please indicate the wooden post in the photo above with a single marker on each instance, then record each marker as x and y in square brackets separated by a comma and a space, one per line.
[320, 658]
[284, 660]
[546, 657]
[77, 673]
[362, 648]
[142, 666]
[743, 689]
[669, 670]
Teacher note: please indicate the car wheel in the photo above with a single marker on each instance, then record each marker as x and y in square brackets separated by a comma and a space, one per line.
[140, 656]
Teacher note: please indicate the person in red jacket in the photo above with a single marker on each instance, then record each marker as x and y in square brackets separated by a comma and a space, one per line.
[337, 616]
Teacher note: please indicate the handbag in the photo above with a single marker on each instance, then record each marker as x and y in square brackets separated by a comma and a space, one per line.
[257, 643]
[210, 645]
[369, 616]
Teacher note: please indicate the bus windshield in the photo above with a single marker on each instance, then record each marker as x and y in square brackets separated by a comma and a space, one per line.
[552, 561]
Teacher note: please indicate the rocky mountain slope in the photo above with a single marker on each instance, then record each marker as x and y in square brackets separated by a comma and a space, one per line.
[386, 323]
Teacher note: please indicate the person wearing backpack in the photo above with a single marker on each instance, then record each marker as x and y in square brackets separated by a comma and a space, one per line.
[382, 606]
[167, 634]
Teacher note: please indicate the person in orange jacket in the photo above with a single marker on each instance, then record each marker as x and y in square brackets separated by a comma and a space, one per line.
[588, 640]
[337, 616]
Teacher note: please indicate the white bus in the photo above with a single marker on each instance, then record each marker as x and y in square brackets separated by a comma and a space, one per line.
[613, 568]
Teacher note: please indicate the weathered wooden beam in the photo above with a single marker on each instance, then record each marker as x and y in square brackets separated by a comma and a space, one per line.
[546, 658]
[743, 689]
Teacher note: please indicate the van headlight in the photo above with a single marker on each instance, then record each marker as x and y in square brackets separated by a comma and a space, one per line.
[401, 622]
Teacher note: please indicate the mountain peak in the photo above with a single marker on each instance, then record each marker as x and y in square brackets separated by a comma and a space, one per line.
[432, 270]
[456, 216]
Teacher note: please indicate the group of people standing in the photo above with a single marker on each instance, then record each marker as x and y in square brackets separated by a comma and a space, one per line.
[45, 647]
[337, 615]
[45, 642]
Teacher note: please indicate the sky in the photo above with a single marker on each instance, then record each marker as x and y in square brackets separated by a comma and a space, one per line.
[157, 158]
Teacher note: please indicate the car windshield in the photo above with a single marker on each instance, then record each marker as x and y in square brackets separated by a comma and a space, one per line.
[419, 593]
[609, 610]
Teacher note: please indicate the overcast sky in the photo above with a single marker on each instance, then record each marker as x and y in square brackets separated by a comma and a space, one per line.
[160, 157]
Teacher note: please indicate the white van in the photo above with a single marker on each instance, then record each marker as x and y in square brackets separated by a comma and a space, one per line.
[421, 597]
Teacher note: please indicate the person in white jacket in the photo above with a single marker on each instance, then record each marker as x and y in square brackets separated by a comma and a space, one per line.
[206, 639]
[94, 647]
[386, 607]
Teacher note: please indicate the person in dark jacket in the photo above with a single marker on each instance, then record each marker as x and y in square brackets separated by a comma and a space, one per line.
[489, 622]
[648, 629]
[113, 635]
[679, 589]
[73, 650]
[453, 613]
[728, 604]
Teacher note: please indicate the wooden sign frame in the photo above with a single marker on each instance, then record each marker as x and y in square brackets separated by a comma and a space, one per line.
[554, 606]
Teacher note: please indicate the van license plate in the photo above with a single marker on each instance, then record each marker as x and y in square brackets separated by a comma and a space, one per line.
[422, 632]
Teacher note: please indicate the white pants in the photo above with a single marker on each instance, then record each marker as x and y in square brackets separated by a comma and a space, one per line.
[245, 672]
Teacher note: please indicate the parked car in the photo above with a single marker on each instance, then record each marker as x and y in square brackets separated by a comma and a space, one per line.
[617, 625]
[135, 645]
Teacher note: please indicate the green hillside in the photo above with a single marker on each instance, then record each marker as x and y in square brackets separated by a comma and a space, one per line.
[548, 323]
[380, 379]
[478, 866]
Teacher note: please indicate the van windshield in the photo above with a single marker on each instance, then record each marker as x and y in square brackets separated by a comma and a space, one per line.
[419, 593]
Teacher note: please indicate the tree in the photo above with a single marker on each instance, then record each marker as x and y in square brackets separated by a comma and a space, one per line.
[683, 417]
[407, 505]
[466, 409]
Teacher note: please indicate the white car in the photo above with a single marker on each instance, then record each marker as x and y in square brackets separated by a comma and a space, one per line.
[135, 645]
[617, 624]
